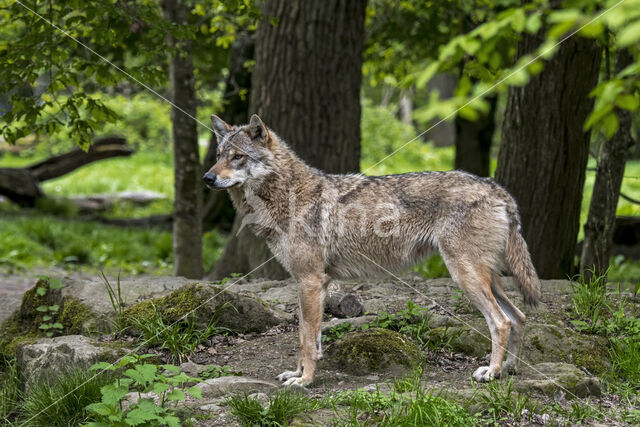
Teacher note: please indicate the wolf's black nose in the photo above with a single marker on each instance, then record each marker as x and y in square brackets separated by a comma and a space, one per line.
[209, 179]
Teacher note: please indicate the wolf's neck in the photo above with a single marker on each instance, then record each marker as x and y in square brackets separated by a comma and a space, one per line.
[291, 175]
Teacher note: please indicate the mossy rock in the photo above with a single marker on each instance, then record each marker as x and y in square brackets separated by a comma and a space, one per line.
[461, 339]
[236, 312]
[23, 326]
[374, 350]
[549, 378]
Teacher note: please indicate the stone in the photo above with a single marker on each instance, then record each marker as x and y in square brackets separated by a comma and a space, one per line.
[49, 357]
[356, 322]
[236, 312]
[550, 378]
[218, 387]
[262, 398]
[372, 351]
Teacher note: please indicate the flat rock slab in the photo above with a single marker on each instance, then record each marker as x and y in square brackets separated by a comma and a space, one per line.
[551, 378]
[223, 386]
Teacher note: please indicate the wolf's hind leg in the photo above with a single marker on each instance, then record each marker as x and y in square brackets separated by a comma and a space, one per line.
[312, 292]
[475, 280]
[518, 320]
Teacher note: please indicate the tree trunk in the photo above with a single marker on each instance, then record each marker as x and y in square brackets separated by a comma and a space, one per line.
[187, 207]
[306, 87]
[473, 142]
[544, 151]
[598, 230]
[217, 209]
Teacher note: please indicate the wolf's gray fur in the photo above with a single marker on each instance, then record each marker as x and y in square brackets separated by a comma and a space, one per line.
[322, 226]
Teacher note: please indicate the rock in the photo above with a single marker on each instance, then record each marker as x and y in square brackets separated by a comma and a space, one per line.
[322, 417]
[549, 378]
[218, 387]
[191, 368]
[262, 398]
[551, 343]
[236, 312]
[461, 339]
[356, 322]
[374, 350]
[48, 357]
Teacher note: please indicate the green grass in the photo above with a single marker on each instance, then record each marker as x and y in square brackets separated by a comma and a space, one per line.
[282, 408]
[39, 240]
[62, 402]
[9, 389]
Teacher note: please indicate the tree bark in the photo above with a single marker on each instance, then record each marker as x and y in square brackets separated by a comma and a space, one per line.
[598, 230]
[473, 142]
[306, 87]
[544, 151]
[187, 207]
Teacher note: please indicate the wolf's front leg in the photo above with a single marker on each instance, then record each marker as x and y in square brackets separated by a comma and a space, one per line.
[311, 308]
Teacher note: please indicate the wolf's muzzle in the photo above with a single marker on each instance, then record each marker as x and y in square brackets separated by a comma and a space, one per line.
[209, 179]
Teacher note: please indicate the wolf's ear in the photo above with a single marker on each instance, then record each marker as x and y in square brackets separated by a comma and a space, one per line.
[220, 127]
[257, 129]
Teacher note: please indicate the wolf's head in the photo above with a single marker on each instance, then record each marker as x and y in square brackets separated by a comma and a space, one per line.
[243, 154]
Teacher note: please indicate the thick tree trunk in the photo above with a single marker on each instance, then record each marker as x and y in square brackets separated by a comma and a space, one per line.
[306, 87]
[544, 151]
[187, 207]
[598, 230]
[473, 142]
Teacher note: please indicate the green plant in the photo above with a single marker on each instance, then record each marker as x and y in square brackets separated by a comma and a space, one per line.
[589, 299]
[432, 267]
[413, 321]
[117, 303]
[282, 407]
[180, 338]
[337, 332]
[50, 312]
[441, 338]
[578, 411]
[9, 389]
[500, 398]
[62, 400]
[625, 358]
[165, 383]
[215, 371]
[427, 409]
[461, 302]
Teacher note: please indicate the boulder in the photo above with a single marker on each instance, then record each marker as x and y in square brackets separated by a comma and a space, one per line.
[219, 387]
[239, 313]
[49, 357]
[374, 350]
[551, 378]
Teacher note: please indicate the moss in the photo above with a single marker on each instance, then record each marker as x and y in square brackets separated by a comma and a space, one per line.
[594, 358]
[13, 333]
[375, 350]
[172, 306]
[75, 316]
[535, 341]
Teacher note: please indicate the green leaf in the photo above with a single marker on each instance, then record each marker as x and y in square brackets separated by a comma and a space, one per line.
[159, 388]
[628, 102]
[145, 411]
[195, 392]
[113, 393]
[534, 22]
[172, 421]
[57, 325]
[41, 291]
[42, 309]
[171, 368]
[54, 308]
[176, 395]
[55, 283]
[46, 318]
[102, 366]
[610, 124]
[597, 115]
[142, 374]
[45, 326]
[629, 34]
[101, 408]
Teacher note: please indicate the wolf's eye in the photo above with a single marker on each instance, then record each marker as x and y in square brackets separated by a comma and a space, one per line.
[238, 156]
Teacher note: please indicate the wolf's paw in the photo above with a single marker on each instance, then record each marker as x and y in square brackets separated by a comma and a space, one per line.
[288, 375]
[484, 374]
[296, 382]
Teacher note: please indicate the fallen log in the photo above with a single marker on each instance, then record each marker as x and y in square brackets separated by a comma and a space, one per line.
[341, 304]
[22, 185]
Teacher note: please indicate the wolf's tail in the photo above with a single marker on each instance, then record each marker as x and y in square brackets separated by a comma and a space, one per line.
[519, 261]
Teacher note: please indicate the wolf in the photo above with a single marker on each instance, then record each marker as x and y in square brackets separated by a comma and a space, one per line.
[323, 226]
